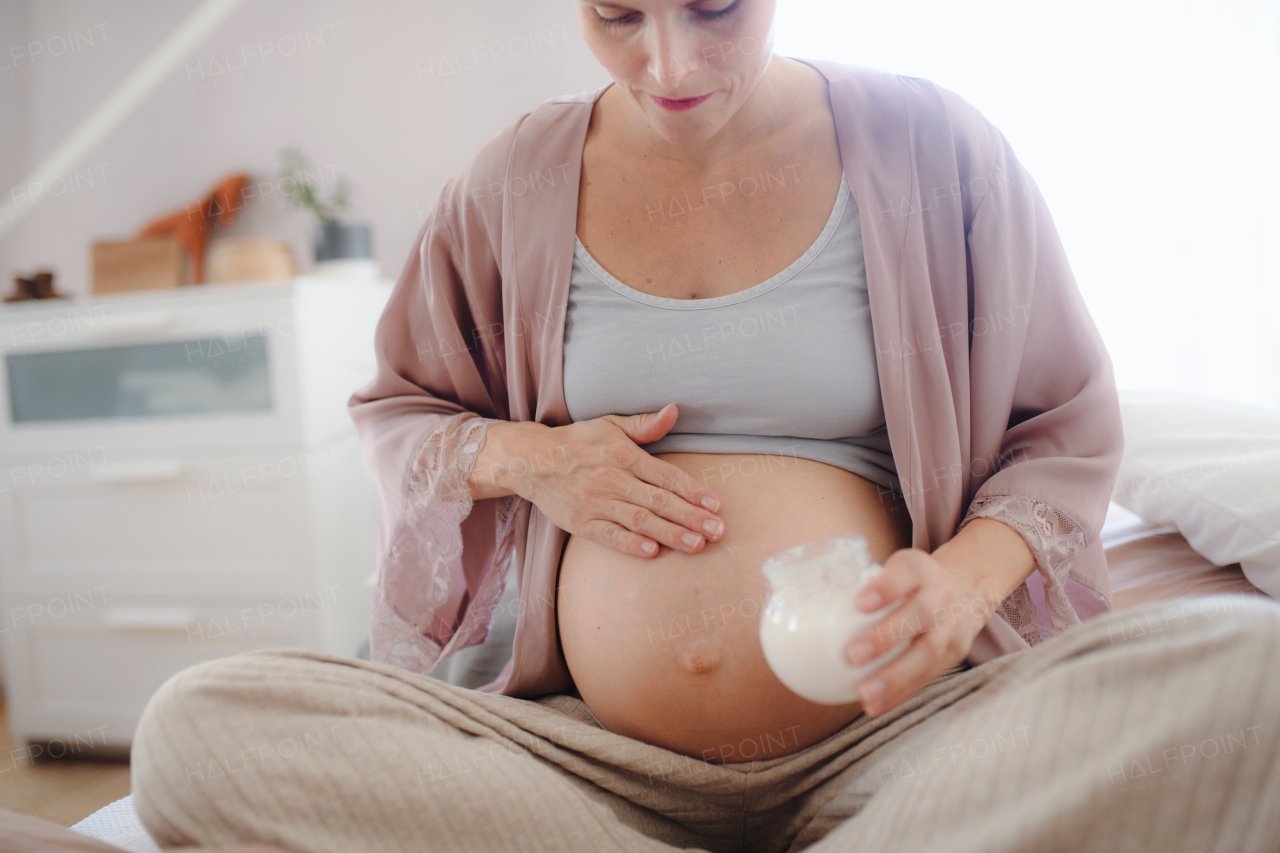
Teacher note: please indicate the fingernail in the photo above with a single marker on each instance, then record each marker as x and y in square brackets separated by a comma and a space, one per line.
[710, 504]
[648, 547]
[871, 692]
[712, 527]
[869, 600]
[690, 539]
[862, 651]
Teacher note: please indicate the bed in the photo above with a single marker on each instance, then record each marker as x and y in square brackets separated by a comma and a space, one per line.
[1195, 511]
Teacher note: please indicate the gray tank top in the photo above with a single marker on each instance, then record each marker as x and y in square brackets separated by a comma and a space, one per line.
[787, 367]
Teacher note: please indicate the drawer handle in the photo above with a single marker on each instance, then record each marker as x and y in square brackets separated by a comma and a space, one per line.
[137, 472]
[149, 618]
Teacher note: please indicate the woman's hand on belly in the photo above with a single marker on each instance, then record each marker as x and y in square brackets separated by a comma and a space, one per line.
[591, 480]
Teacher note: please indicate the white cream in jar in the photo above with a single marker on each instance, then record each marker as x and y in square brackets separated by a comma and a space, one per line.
[811, 618]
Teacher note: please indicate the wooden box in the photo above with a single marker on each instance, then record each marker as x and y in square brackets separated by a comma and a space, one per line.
[154, 263]
[238, 259]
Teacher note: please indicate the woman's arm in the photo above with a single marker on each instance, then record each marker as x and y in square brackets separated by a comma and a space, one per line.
[1055, 421]
[440, 385]
[490, 477]
[990, 556]
[1041, 447]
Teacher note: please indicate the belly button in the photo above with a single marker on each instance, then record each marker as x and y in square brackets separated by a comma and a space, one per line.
[701, 657]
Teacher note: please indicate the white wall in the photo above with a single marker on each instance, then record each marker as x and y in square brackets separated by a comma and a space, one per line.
[15, 99]
[363, 95]
[1150, 126]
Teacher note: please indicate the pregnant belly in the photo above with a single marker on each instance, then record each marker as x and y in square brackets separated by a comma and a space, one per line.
[667, 650]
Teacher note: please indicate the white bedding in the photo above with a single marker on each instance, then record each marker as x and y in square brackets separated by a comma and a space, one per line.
[118, 824]
[1150, 562]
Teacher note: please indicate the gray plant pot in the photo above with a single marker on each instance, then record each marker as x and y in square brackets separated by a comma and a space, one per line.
[337, 241]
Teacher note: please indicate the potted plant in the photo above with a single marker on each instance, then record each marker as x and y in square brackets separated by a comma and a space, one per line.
[341, 248]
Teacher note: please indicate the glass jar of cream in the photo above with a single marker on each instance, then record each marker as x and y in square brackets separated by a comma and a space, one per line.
[811, 617]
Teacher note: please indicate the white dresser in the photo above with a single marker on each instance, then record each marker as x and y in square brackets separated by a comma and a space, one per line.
[179, 481]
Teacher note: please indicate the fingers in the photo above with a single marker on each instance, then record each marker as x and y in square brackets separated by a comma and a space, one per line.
[632, 500]
[936, 617]
[638, 518]
[618, 538]
[664, 475]
[924, 612]
[663, 512]
[901, 677]
[903, 574]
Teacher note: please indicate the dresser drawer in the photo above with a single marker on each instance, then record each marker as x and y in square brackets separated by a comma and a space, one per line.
[91, 672]
[163, 526]
[210, 374]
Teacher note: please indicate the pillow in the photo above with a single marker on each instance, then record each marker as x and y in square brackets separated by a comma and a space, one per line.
[1212, 470]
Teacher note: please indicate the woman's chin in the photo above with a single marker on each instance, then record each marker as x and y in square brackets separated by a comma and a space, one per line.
[688, 134]
[694, 126]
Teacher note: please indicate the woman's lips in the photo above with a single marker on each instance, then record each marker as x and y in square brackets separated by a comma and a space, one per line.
[681, 104]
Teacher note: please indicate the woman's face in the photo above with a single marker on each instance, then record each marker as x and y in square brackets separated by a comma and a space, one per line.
[686, 67]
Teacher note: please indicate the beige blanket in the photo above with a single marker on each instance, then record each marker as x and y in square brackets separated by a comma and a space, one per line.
[1153, 729]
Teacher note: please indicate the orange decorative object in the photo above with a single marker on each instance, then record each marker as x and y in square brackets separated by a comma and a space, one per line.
[191, 227]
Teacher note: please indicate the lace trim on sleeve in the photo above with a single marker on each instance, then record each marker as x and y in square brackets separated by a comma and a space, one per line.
[425, 553]
[1055, 541]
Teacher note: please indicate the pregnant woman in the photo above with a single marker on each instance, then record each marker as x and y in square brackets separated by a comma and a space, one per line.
[651, 335]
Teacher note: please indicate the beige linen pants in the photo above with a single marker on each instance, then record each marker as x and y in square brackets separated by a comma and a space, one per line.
[1155, 728]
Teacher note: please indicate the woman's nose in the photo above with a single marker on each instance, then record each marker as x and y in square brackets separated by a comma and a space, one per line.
[672, 56]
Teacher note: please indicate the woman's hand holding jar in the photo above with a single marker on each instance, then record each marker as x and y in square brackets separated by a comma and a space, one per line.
[946, 599]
